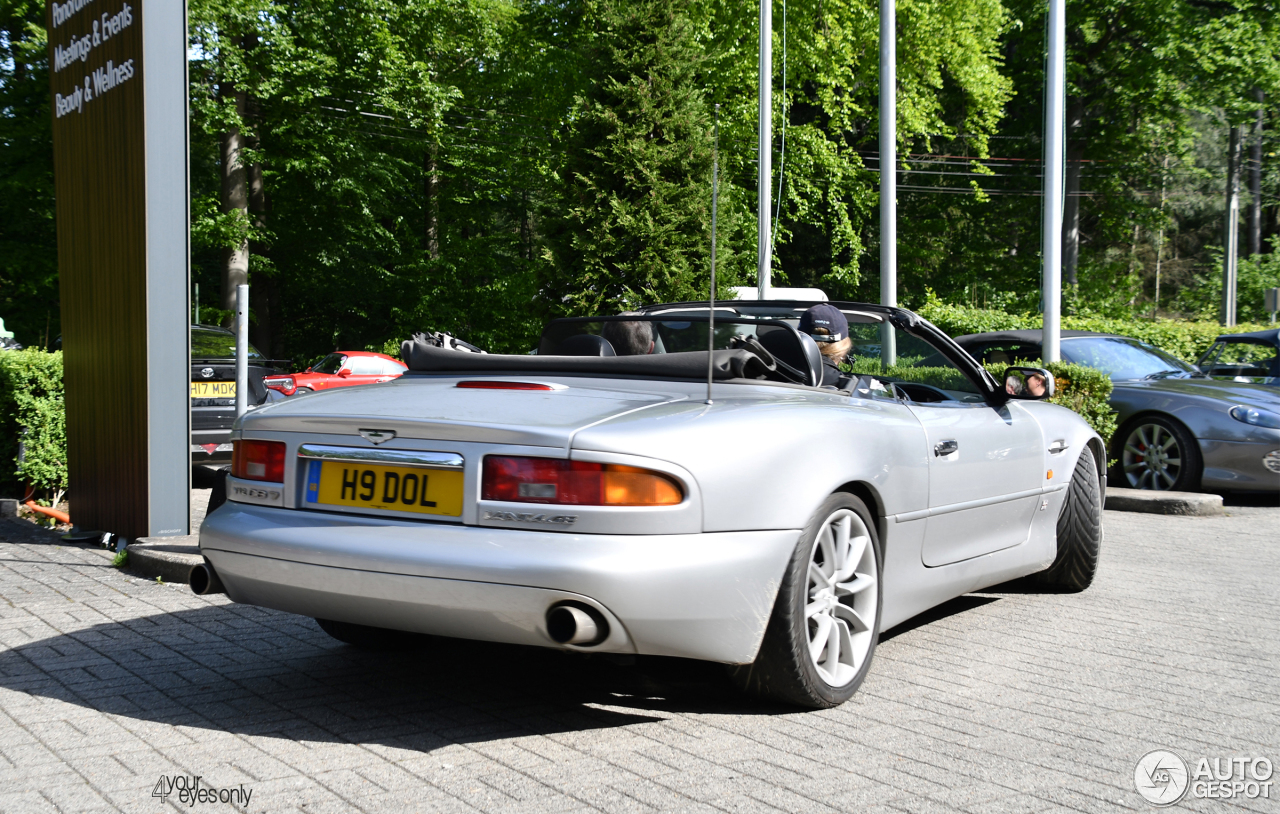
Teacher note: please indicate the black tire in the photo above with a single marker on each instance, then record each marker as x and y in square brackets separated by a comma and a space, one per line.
[784, 670]
[364, 636]
[1079, 531]
[1143, 465]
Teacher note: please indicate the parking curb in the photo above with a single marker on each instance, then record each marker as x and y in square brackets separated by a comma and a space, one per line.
[169, 558]
[1189, 504]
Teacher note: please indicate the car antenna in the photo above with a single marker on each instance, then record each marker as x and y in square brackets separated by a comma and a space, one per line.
[711, 302]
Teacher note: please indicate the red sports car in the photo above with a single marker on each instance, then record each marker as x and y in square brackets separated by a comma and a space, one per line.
[339, 369]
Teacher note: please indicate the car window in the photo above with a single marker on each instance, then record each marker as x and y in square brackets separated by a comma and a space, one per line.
[390, 368]
[924, 373]
[330, 364]
[365, 366]
[1006, 353]
[207, 344]
[1123, 358]
[1237, 358]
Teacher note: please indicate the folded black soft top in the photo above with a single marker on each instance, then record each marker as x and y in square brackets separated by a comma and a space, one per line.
[726, 364]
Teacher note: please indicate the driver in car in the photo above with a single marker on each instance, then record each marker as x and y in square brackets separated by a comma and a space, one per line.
[829, 328]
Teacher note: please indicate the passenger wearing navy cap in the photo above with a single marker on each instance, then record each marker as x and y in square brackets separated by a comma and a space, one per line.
[829, 328]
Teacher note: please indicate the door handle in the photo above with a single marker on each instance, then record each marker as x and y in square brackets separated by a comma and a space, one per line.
[945, 448]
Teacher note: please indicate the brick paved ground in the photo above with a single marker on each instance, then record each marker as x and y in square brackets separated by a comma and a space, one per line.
[1002, 702]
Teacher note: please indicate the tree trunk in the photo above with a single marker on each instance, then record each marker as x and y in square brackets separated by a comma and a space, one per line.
[1071, 196]
[1255, 181]
[264, 285]
[235, 201]
[431, 186]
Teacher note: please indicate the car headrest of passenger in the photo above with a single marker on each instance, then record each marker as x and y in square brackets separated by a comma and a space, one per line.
[585, 345]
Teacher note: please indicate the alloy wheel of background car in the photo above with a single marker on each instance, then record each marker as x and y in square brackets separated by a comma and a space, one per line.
[826, 620]
[1159, 454]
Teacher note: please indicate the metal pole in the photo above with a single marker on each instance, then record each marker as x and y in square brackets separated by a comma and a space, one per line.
[711, 301]
[242, 349]
[1232, 237]
[764, 242]
[1054, 168]
[888, 173]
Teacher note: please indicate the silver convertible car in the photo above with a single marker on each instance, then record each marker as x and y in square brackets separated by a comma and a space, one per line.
[713, 504]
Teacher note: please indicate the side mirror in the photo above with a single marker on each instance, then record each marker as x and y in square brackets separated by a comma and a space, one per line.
[1028, 383]
[344, 373]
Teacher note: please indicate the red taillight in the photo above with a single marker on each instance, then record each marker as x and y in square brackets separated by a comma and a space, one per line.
[258, 460]
[551, 480]
[485, 384]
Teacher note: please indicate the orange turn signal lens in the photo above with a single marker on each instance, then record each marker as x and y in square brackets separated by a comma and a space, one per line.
[580, 483]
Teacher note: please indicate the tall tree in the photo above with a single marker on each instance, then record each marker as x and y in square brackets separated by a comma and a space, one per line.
[28, 243]
[632, 220]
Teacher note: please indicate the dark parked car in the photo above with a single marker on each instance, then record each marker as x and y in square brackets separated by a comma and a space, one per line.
[1252, 357]
[213, 390]
[1179, 429]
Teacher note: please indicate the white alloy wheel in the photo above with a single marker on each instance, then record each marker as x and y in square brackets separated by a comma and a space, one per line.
[843, 595]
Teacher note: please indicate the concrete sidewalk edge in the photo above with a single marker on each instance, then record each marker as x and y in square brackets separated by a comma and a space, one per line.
[169, 558]
[1191, 504]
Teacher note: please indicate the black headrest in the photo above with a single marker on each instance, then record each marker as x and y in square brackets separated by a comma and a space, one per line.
[791, 349]
[585, 345]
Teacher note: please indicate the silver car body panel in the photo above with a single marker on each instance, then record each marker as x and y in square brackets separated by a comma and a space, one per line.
[696, 579]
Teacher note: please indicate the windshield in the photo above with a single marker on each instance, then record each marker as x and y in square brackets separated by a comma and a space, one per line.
[1123, 358]
[216, 345]
[330, 364]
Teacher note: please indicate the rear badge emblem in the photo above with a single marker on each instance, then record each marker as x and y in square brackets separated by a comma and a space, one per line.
[377, 436]
[207, 372]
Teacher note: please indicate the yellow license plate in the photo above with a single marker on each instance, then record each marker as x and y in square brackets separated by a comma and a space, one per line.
[213, 390]
[373, 486]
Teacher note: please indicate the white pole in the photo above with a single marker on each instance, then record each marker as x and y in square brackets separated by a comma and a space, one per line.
[1232, 240]
[764, 259]
[711, 300]
[1054, 167]
[888, 172]
[242, 349]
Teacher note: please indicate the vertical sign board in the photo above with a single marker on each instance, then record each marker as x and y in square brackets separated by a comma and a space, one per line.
[118, 76]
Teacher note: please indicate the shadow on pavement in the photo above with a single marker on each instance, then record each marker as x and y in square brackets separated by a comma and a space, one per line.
[960, 604]
[1261, 499]
[258, 672]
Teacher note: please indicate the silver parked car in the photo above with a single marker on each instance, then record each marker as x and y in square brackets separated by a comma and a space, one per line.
[711, 505]
[1179, 429]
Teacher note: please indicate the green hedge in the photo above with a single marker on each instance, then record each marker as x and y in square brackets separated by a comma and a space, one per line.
[1186, 340]
[32, 415]
[1085, 390]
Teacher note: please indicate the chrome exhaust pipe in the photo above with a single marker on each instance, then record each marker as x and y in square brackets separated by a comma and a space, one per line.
[574, 624]
[204, 580]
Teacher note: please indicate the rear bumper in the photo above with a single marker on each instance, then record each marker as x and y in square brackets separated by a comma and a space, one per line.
[1238, 465]
[703, 596]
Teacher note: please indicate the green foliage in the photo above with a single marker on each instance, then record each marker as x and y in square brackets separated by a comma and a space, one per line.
[28, 244]
[32, 414]
[632, 220]
[1254, 275]
[121, 559]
